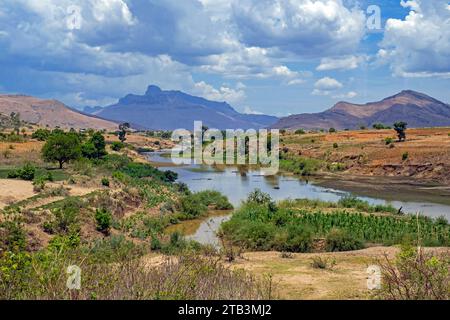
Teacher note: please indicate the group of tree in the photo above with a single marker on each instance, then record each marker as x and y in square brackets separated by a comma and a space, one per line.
[62, 147]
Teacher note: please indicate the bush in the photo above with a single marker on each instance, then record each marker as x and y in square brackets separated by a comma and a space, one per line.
[415, 275]
[380, 126]
[41, 134]
[341, 240]
[27, 173]
[300, 131]
[39, 184]
[192, 207]
[405, 156]
[332, 130]
[388, 141]
[105, 182]
[259, 197]
[103, 220]
[117, 146]
[65, 217]
[12, 237]
[335, 145]
[323, 263]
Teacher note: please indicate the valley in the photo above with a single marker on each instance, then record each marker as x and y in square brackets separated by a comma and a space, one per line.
[121, 206]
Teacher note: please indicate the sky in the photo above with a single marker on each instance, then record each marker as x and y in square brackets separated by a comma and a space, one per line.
[277, 57]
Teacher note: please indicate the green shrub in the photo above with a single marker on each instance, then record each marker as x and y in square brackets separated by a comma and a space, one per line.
[103, 220]
[12, 237]
[192, 207]
[117, 146]
[105, 182]
[332, 130]
[300, 131]
[65, 217]
[27, 173]
[388, 141]
[335, 145]
[380, 126]
[39, 184]
[405, 156]
[41, 134]
[341, 240]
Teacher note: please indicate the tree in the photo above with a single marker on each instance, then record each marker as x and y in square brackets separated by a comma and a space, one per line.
[400, 128]
[61, 148]
[95, 148]
[41, 134]
[123, 129]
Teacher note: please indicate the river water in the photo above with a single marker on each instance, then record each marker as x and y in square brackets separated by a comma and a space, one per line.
[237, 183]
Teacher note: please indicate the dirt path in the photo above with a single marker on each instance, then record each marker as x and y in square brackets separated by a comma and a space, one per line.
[14, 190]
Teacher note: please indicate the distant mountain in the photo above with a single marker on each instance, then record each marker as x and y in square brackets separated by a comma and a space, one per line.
[51, 113]
[417, 109]
[92, 110]
[169, 110]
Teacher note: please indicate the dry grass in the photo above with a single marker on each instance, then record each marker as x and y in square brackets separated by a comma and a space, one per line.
[366, 153]
[12, 154]
[298, 280]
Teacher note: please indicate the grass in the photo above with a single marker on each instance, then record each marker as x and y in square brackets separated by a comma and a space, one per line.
[58, 175]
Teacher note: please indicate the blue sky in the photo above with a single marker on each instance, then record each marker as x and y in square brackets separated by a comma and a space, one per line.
[276, 57]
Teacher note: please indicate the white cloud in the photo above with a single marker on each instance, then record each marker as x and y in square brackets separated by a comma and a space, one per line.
[224, 93]
[327, 83]
[348, 95]
[419, 45]
[341, 63]
[296, 82]
[304, 27]
[325, 86]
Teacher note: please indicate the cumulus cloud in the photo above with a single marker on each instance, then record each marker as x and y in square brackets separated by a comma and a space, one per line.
[419, 45]
[341, 63]
[224, 93]
[326, 85]
[304, 27]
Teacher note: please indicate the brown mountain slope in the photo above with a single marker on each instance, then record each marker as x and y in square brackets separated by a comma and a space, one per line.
[417, 109]
[50, 113]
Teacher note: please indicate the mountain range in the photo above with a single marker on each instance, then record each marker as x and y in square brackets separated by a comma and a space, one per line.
[415, 108]
[51, 113]
[169, 110]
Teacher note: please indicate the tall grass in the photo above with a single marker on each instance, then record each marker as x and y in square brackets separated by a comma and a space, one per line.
[125, 274]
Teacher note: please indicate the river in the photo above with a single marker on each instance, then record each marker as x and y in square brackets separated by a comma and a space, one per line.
[237, 183]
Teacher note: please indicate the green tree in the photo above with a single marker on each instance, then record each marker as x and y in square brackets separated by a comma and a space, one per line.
[95, 148]
[41, 134]
[400, 128]
[123, 129]
[61, 148]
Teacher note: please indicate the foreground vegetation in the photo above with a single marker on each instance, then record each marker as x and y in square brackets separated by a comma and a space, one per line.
[261, 224]
[116, 269]
[111, 232]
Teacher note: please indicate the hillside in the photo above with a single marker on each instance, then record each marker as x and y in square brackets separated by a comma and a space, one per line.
[50, 112]
[417, 109]
[169, 110]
